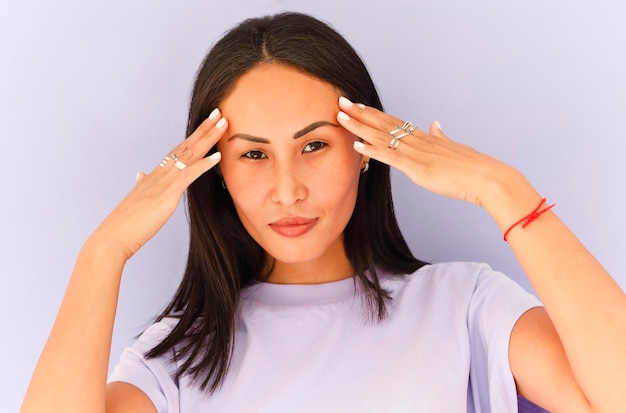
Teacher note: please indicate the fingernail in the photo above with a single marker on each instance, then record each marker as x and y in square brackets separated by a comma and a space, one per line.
[438, 125]
[220, 123]
[362, 106]
[343, 101]
[138, 176]
[216, 156]
[359, 145]
[214, 114]
[343, 116]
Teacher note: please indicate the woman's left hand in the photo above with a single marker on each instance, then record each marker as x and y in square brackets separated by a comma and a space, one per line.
[431, 160]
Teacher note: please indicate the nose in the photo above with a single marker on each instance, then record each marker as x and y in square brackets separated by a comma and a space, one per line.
[288, 186]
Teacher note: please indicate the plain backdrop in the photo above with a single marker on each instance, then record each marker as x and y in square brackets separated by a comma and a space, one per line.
[92, 92]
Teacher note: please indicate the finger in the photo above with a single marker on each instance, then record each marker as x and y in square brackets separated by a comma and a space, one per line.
[193, 172]
[385, 156]
[205, 127]
[192, 154]
[435, 130]
[374, 137]
[370, 135]
[373, 117]
[140, 176]
[195, 148]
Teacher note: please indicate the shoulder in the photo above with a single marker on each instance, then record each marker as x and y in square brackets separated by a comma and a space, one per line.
[134, 364]
[455, 283]
[456, 275]
[454, 269]
[154, 334]
[152, 379]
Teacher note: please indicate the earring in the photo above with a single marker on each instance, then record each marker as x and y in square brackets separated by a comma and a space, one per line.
[366, 167]
[223, 184]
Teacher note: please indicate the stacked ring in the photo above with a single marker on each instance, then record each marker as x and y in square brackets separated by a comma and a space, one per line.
[164, 162]
[178, 164]
[405, 130]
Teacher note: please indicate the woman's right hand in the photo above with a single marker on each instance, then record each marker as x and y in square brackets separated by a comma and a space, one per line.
[70, 375]
[156, 195]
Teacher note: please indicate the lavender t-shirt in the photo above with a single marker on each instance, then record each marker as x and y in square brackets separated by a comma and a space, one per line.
[310, 348]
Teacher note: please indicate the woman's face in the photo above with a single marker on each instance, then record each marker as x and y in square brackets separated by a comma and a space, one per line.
[291, 170]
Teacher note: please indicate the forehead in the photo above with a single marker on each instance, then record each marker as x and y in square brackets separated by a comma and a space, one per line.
[274, 99]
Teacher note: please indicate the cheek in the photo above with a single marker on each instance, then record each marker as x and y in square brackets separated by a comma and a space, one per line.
[241, 184]
[249, 206]
[337, 182]
[245, 191]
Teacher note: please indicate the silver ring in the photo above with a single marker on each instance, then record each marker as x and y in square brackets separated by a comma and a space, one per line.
[164, 162]
[408, 127]
[178, 164]
[405, 130]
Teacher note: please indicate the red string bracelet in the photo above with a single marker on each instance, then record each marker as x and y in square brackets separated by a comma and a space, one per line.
[530, 217]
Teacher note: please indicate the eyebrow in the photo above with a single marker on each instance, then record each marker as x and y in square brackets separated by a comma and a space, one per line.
[296, 135]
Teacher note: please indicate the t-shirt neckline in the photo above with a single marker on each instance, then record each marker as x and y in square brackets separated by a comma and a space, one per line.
[300, 294]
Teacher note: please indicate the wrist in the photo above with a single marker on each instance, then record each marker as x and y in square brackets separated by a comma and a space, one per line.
[100, 247]
[509, 198]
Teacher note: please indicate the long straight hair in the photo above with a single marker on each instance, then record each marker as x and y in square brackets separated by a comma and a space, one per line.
[223, 258]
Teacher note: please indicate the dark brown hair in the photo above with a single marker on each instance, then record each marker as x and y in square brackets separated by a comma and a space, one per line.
[223, 258]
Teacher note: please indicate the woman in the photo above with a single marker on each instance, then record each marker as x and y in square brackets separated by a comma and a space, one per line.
[300, 293]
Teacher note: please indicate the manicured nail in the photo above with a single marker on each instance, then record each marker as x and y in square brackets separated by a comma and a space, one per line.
[139, 176]
[216, 156]
[214, 114]
[220, 123]
[438, 125]
[343, 116]
[344, 101]
[362, 106]
[359, 145]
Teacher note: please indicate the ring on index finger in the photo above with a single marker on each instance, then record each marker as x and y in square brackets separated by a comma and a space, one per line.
[405, 130]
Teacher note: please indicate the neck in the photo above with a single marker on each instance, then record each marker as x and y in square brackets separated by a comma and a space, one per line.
[332, 266]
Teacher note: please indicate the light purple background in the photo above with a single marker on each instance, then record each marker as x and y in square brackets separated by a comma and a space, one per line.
[92, 92]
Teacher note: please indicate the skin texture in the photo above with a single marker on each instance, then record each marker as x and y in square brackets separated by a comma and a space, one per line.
[314, 176]
[568, 357]
[71, 373]
[576, 344]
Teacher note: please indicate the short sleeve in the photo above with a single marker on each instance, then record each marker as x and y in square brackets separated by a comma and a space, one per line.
[154, 376]
[495, 307]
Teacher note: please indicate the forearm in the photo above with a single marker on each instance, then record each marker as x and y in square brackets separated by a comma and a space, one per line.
[70, 375]
[586, 306]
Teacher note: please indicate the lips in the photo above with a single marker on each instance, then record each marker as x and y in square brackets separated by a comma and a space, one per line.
[293, 226]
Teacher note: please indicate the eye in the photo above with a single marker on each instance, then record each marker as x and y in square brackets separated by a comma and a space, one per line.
[314, 146]
[254, 155]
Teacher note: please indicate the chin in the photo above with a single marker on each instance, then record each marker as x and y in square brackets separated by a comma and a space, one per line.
[295, 258]
[296, 254]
